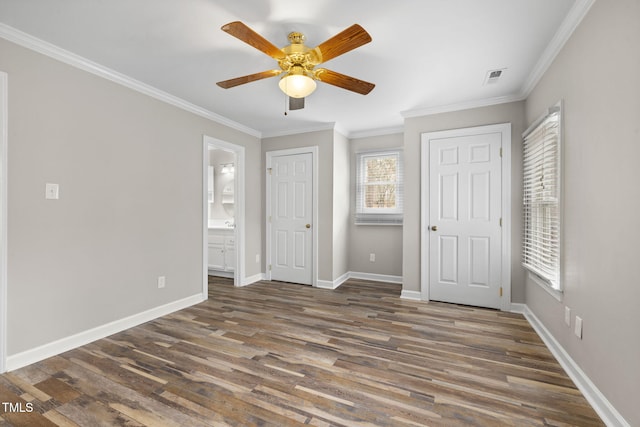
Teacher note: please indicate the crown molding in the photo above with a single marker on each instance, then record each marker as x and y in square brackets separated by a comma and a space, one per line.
[376, 132]
[33, 43]
[337, 128]
[315, 128]
[428, 111]
[562, 35]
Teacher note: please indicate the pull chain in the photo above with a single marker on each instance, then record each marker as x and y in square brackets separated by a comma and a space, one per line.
[285, 104]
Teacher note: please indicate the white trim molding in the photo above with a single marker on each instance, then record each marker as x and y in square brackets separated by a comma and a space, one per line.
[239, 209]
[326, 284]
[316, 128]
[333, 284]
[28, 41]
[477, 103]
[375, 277]
[45, 351]
[518, 308]
[376, 132]
[219, 273]
[598, 401]
[252, 279]
[411, 295]
[3, 218]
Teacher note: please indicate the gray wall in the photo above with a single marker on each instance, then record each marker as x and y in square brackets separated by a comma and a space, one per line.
[383, 240]
[597, 74]
[130, 207]
[504, 113]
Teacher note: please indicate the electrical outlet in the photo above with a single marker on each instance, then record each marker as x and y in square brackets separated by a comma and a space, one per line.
[578, 327]
[372, 257]
[161, 282]
[567, 316]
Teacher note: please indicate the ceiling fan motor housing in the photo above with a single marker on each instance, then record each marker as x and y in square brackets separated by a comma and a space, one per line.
[298, 59]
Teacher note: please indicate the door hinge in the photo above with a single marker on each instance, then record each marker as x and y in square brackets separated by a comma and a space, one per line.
[269, 218]
[500, 222]
[269, 170]
[500, 151]
[500, 290]
[269, 267]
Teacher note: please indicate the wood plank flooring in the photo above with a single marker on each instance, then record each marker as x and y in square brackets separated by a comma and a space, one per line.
[282, 354]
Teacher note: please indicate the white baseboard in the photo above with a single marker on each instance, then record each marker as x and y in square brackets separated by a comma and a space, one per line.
[375, 277]
[37, 354]
[252, 279]
[332, 284]
[598, 401]
[340, 280]
[412, 295]
[518, 308]
[221, 273]
[328, 284]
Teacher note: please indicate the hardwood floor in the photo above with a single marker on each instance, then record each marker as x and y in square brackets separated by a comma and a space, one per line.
[281, 354]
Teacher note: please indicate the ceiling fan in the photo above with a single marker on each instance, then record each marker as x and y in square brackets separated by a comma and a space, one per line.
[298, 62]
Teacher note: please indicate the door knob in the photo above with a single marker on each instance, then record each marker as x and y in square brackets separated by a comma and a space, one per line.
[308, 225]
[434, 228]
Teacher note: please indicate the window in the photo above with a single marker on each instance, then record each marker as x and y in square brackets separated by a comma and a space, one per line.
[541, 198]
[379, 187]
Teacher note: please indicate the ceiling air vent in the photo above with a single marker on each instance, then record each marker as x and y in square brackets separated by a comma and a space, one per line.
[493, 76]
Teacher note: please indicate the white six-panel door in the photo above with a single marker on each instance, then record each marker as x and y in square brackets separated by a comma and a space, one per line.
[465, 199]
[291, 218]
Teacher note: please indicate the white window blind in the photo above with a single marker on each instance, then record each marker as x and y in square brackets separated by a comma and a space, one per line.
[541, 198]
[379, 187]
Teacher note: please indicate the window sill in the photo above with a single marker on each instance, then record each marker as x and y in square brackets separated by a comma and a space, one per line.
[558, 295]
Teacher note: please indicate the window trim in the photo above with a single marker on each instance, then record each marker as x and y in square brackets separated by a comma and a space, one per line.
[378, 216]
[554, 283]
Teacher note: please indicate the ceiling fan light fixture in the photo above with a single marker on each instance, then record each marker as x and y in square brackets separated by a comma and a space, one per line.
[297, 85]
[298, 63]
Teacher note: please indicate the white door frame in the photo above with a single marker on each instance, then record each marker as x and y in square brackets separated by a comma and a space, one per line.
[314, 211]
[3, 219]
[505, 273]
[239, 213]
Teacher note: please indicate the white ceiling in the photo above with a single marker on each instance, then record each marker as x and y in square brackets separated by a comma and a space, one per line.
[426, 55]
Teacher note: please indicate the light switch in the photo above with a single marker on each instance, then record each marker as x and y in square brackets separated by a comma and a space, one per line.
[52, 191]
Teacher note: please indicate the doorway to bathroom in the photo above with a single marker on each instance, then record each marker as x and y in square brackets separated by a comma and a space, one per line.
[223, 211]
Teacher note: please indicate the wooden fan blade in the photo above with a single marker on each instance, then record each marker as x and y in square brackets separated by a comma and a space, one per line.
[248, 79]
[343, 81]
[349, 39]
[240, 31]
